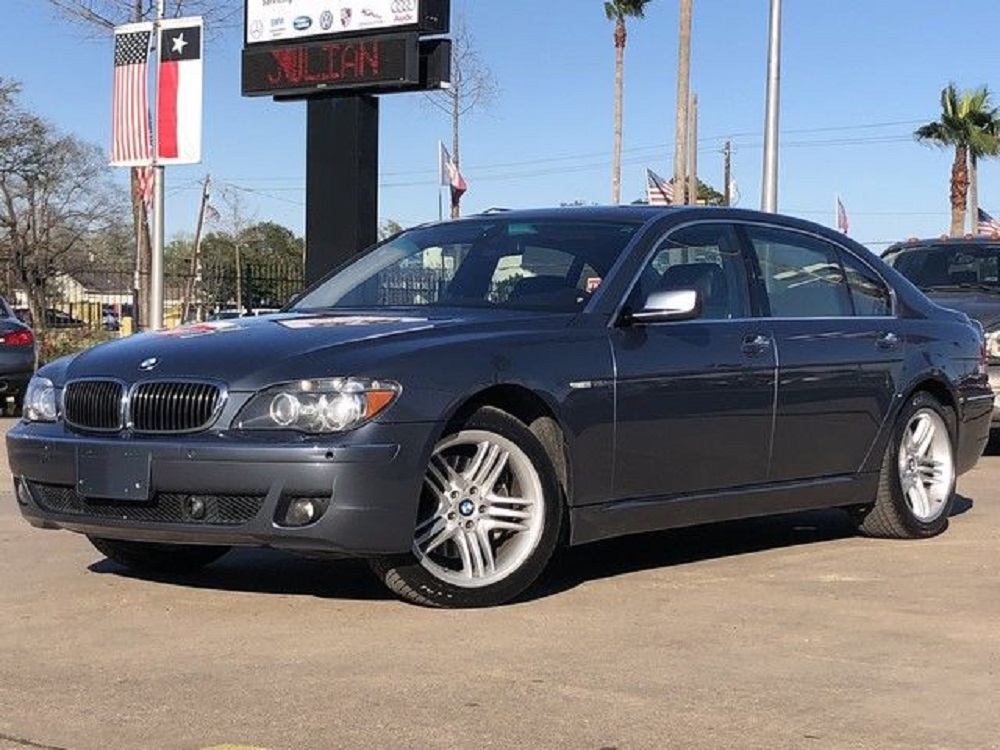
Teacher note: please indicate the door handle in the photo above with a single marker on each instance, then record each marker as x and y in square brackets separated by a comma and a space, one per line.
[887, 341]
[756, 345]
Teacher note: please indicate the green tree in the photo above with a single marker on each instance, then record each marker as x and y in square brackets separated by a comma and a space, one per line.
[56, 201]
[970, 125]
[619, 11]
[103, 16]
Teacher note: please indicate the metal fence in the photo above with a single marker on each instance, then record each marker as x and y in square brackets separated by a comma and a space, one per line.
[104, 298]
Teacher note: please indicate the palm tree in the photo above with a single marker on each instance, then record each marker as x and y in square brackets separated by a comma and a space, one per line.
[618, 11]
[971, 125]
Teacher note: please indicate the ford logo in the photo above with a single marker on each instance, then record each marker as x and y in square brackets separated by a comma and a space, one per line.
[302, 23]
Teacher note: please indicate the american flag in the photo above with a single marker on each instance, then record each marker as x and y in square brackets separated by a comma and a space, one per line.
[145, 184]
[843, 223]
[659, 192]
[987, 225]
[130, 145]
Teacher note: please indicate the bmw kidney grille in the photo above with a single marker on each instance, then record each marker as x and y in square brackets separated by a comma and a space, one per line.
[159, 407]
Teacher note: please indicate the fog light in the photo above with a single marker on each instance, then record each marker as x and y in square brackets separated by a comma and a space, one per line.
[194, 507]
[302, 511]
[23, 493]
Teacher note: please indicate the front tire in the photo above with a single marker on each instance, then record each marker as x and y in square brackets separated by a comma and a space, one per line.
[159, 559]
[916, 490]
[488, 519]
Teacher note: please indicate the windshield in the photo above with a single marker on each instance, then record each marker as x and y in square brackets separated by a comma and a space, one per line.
[950, 266]
[553, 264]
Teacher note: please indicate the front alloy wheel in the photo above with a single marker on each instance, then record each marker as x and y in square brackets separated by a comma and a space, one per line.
[482, 512]
[488, 517]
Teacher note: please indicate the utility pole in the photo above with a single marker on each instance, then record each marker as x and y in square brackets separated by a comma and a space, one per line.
[692, 148]
[683, 87]
[769, 191]
[727, 173]
[156, 261]
[191, 290]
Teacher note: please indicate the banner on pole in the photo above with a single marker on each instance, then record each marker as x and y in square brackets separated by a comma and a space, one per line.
[130, 133]
[179, 91]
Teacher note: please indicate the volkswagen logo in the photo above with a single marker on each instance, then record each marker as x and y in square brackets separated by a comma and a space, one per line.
[149, 364]
[326, 20]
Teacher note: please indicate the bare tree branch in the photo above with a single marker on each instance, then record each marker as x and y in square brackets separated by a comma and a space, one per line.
[473, 87]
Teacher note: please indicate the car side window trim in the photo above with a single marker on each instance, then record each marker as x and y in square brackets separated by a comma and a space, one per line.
[758, 290]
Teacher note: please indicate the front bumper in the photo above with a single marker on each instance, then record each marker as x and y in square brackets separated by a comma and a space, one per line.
[368, 482]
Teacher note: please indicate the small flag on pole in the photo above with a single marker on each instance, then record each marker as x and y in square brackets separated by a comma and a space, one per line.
[987, 225]
[659, 192]
[843, 223]
[145, 182]
[130, 99]
[179, 91]
[449, 174]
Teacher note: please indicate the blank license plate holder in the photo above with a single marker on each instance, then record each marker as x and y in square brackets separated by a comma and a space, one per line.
[113, 472]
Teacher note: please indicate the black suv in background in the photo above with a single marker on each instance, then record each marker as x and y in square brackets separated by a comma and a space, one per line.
[17, 358]
[962, 273]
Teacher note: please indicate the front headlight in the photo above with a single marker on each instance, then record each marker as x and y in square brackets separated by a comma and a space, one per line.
[993, 344]
[40, 402]
[318, 406]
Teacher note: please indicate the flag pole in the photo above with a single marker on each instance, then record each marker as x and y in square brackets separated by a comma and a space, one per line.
[156, 260]
[440, 172]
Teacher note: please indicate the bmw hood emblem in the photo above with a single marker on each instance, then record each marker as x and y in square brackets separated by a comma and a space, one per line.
[149, 364]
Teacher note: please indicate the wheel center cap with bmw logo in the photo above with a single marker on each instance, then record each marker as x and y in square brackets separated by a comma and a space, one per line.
[466, 507]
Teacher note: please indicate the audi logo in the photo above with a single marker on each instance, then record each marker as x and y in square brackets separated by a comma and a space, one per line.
[404, 6]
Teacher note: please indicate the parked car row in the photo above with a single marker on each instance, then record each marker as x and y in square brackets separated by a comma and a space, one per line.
[572, 375]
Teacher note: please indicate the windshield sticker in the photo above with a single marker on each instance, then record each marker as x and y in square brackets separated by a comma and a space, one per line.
[592, 283]
[346, 320]
[200, 329]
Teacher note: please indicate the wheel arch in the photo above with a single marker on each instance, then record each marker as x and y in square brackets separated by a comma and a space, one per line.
[931, 384]
[532, 410]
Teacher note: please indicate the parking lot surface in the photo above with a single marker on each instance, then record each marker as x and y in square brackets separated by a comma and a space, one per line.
[786, 632]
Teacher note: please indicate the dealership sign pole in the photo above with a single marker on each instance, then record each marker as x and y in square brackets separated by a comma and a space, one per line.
[340, 57]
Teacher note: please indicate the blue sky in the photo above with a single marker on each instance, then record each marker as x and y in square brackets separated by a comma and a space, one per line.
[858, 76]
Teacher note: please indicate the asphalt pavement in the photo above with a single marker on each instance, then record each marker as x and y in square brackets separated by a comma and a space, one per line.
[787, 632]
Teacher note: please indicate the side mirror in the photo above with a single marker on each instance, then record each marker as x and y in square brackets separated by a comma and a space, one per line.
[674, 304]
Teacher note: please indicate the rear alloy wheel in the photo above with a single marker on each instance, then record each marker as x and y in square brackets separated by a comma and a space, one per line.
[916, 489]
[160, 559]
[488, 519]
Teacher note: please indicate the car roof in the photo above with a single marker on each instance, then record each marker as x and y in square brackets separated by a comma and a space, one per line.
[915, 243]
[644, 214]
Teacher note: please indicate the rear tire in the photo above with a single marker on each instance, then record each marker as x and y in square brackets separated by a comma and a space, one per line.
[916, 489]
[150, 557]
[488, 520]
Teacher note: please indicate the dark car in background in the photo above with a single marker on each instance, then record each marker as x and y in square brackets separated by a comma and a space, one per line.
[462, 399]
[17, 358]
[54, 318]
[962, 273]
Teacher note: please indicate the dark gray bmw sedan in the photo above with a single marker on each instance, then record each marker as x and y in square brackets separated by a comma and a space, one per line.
[457, 402]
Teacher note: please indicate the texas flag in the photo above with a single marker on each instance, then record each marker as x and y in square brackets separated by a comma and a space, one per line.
[179, 91]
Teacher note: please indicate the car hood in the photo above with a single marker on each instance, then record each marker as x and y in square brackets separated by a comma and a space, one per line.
[250, 352]
[977, 305]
